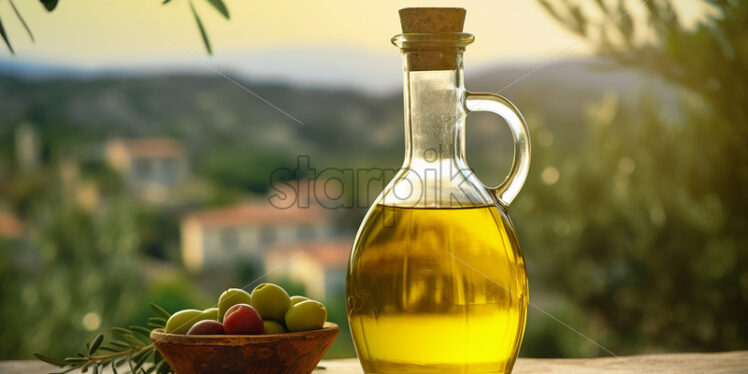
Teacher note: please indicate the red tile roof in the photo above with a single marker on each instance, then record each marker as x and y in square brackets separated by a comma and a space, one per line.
[151, 147]
[10, 226]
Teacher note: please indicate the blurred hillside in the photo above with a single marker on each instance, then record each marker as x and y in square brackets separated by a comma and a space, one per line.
[213, 116]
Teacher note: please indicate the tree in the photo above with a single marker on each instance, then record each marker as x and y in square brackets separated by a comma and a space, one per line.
[647, 228]
[79, 271]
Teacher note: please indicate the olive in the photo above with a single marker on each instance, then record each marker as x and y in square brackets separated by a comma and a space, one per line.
[211, 314]
[181, 321]
[272, 327]
[306, 315]
[231, 297]
[206, 327]
[242, 319]
[297, 299]
[271, 301]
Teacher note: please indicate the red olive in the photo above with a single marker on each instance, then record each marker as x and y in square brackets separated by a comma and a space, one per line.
[242, 319]
[206, 327]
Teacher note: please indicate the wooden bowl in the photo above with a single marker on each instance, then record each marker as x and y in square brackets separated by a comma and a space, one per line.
[289, 353]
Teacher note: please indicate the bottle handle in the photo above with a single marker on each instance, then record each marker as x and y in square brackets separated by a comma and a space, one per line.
[497, 104]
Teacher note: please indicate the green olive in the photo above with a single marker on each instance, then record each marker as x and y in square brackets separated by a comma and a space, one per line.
[272, 327]
[181, 321]
[297, 299]
[211, 314]
[231, 297]
[271, 301]
[306, 315]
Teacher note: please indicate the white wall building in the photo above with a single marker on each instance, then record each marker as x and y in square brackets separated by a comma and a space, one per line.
[320, 266]
[150, 166]
[245, 232]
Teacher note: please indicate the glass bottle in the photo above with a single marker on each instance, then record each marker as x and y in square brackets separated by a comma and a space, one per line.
[436, 281]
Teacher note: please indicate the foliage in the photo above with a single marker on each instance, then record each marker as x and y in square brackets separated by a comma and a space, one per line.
[646, 229]
[50, 5]
[172, 293]
[77, 264]
[336, 313]
[133, 347]
[158, 232]
[245, 168]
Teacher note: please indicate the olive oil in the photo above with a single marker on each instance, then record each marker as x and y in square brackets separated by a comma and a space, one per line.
[433, 290]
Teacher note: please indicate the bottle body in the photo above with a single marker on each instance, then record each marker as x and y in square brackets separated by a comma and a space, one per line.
[437, 290]
[436, 281]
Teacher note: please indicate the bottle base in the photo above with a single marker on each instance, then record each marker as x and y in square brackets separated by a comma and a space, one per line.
[385, 367]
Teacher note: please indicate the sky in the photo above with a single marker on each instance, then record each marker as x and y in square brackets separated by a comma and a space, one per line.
[298, 40]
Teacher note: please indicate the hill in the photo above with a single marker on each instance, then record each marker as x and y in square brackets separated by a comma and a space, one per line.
[341, 127]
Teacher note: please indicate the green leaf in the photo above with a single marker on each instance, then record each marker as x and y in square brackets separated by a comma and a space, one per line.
[551, 10]
[121, 331]
[96, 344]
[625, 24]
[134, 342]
[142, 331]
[580, 22]
[220, 7]
[74, 359]
[164, 367]
[5, 37]
[114, 368]
[165, 2]
[160, 311]
[50, 360]
[159, 366]
[602, 6]
[25, 26]
[202, 31]
[49, 4]
[158, 320]
[141, 360]
[120, 344]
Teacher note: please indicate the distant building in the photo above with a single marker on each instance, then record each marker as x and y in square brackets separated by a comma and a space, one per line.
[28, 147]
[320, 266]
[150, 166]
[11, 227]
[244, 232]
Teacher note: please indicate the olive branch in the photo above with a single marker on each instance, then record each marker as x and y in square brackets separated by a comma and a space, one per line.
[50, 5]
[130, 351]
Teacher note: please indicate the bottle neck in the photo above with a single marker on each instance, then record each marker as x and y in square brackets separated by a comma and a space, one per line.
[434, 174]
[434, 116]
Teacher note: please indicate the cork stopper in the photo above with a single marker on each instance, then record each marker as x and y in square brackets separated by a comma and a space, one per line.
[424, 20]
[437, 50]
